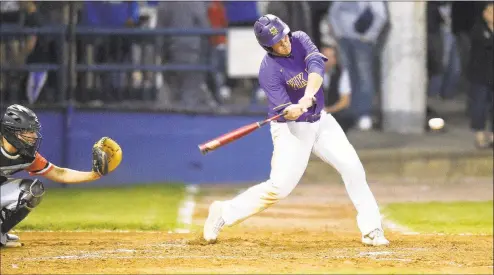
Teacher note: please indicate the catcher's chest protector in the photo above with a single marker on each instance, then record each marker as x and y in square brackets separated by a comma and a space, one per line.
[11, 164]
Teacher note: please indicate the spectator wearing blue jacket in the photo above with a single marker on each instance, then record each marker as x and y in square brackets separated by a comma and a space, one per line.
[357, 26]
[110, 13]
[241, 13]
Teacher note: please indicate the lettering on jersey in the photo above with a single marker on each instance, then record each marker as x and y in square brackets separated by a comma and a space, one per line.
[297, 82]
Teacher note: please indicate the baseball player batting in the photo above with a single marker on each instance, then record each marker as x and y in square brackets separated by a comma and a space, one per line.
[291, 75]
[20, 138]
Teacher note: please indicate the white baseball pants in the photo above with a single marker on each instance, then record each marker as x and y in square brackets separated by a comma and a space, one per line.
[293, 143]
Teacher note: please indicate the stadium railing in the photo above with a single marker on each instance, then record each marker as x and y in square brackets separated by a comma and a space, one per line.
[95, 67]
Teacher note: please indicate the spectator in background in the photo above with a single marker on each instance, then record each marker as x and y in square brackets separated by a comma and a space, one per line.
[357, 27]
[217, 19]
[481, 76]
[463, 16]
[112, 49]
[146, 84]
[10, 12]
[243, 14]
[187, 87]
[337, 87]
[37, 52]
[109, 14]
[297, 14]
[53, 12]
[443, 59]
[434, 39]
[11, 15]
[452, 53]
[318, 12]
[18, 51]
[153, 3]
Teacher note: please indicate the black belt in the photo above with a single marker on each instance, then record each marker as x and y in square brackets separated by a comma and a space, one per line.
[312, 118]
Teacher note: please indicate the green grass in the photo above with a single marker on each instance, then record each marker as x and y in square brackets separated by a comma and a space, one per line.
[443, 217]
[140, 207]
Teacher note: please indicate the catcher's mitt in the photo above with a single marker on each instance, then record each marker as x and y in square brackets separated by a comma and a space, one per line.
[107, 155]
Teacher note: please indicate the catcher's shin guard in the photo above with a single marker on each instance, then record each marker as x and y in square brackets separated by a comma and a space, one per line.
[30, 194]
[13, 218]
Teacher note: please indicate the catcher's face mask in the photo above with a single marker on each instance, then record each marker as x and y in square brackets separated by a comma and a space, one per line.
[30, 141]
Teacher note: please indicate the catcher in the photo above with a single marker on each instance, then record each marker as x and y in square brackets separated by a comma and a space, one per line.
[20, 139]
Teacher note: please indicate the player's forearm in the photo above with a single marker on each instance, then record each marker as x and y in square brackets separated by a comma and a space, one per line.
[66, 175]
[314, 83]
[315, 69]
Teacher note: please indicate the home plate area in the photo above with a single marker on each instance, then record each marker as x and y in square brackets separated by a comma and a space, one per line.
[306, 233]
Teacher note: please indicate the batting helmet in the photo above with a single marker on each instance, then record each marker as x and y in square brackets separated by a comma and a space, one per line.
[269, 30]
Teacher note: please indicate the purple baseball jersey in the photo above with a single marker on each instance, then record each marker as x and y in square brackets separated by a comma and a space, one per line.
[284, 79]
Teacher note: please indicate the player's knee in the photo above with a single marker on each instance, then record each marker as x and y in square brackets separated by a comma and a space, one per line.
[276, 193]
[283, 194]
[32, 192]
[350, 163]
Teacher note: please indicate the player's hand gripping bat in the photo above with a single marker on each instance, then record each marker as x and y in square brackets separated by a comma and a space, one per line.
[235, 134]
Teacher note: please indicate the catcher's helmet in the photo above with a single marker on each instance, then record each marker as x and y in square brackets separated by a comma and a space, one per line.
[269, 30]
[16, 121]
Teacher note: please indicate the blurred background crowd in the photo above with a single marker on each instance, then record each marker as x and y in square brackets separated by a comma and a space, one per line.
[106, 53]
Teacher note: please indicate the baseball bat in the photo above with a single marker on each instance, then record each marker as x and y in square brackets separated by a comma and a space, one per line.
[234, 135]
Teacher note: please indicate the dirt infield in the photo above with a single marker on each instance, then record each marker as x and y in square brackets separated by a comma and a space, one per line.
[309, 232]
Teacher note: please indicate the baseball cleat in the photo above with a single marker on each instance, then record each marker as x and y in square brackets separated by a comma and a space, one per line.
[9, 240]
[214, 223]
[375, 238]
[12, 237]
